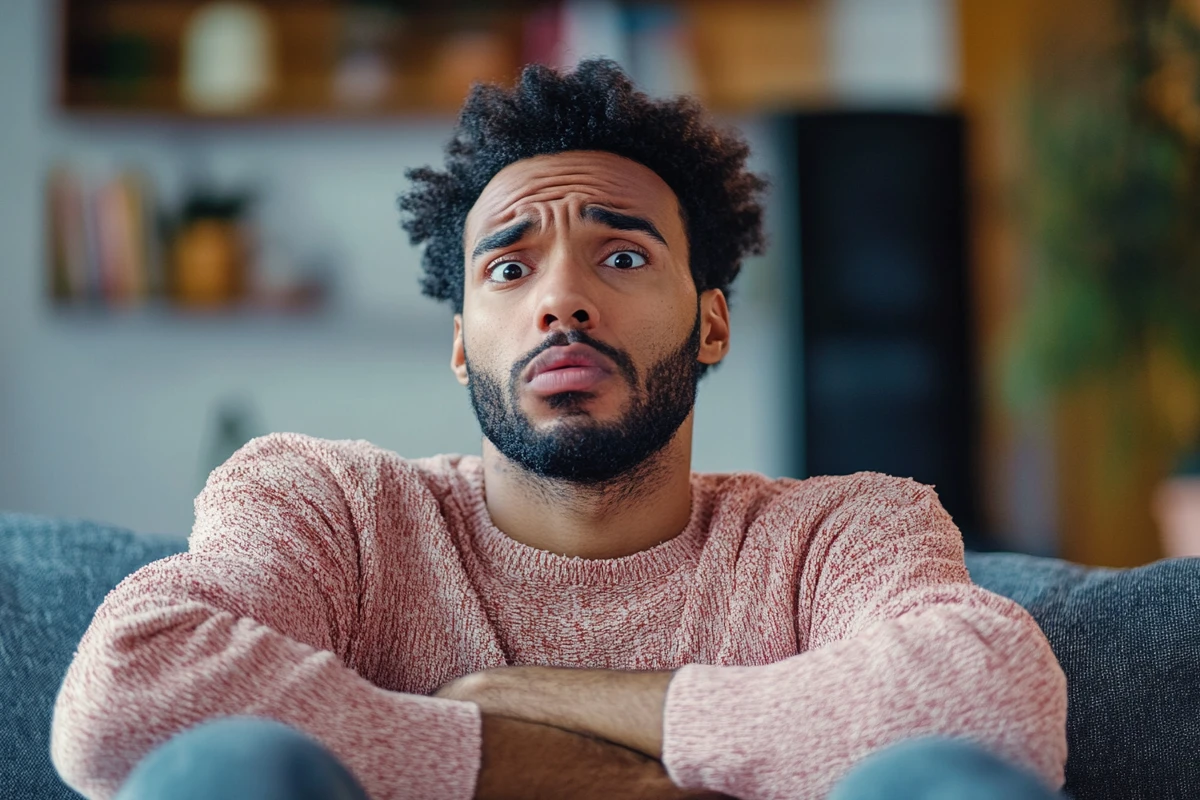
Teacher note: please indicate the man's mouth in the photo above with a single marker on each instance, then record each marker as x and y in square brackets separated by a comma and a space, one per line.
[573, 368]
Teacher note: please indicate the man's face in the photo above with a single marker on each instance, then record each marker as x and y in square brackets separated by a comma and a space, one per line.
[582, 335]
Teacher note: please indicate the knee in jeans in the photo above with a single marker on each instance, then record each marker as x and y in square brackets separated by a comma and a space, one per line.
[240, 756]
[936, 749]
[265, 744]
[937, 767]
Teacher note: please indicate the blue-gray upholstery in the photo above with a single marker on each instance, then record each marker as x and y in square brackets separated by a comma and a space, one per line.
[53, 576]
[1129, 641]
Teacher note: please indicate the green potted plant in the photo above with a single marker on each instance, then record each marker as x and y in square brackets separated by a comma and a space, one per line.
[1115, 214]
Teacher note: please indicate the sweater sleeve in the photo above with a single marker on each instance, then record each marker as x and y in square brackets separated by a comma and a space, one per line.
[259, 617]
[900, 644]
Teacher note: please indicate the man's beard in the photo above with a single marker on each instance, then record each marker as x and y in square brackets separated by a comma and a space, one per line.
[576, 448]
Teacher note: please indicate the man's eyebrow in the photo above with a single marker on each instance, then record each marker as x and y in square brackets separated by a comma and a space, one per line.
[621, 222]
[502, 238]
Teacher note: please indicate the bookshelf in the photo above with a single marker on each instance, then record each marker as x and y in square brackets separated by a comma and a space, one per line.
[158, 325]
[121, 244]
[343, 60]
[320, 58]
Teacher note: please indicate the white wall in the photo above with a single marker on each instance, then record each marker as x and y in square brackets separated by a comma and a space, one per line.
[894, 53]
[110, 418]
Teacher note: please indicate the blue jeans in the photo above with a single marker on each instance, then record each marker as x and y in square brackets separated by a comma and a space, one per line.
[236, 757]
[938, 769]
[240, 757]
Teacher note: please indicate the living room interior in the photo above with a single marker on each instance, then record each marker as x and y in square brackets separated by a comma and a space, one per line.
[981, 270]
[116, 406]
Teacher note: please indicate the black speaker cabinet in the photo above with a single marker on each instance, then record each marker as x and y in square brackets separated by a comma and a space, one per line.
[888, 377]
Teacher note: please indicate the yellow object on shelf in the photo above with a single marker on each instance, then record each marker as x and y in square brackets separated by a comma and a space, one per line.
[210, 258]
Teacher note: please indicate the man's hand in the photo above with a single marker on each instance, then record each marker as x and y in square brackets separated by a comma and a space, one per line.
[526, 761]
[625, 708]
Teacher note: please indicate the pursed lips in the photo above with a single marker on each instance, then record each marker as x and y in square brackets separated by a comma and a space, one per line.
[573, 368]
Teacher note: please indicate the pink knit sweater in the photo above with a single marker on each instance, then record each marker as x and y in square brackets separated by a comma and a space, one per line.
[334, 585]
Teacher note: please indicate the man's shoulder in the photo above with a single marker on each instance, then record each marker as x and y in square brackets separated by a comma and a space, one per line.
[286, 457]
[864, 489]
[789, 506]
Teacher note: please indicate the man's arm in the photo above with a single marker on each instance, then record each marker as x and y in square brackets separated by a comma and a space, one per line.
[625, 708]
[528, 761]
[897, 643]
[257, 618]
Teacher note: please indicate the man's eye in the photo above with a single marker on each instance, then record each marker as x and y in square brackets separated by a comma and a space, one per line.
[626, 259]
[507, 271]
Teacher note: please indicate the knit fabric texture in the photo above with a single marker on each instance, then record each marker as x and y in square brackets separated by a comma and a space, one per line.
[333, 585]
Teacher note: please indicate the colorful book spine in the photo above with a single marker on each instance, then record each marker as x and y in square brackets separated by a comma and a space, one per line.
[102, 248]
[67, 246]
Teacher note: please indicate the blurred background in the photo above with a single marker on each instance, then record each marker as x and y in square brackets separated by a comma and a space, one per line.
[984, 269]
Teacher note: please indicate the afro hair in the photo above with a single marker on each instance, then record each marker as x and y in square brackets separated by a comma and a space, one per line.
[595, 107]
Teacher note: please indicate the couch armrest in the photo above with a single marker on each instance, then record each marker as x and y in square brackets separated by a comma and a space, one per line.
[1129, 643]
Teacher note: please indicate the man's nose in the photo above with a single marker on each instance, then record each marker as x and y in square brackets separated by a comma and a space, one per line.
[566, 298]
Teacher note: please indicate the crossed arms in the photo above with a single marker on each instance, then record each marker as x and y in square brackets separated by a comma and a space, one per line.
[551, 732]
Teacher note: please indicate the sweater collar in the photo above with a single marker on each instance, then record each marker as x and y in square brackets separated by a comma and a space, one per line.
[514, 560]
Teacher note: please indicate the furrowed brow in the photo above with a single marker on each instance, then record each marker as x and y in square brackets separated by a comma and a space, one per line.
[621, 222]
[504, 237]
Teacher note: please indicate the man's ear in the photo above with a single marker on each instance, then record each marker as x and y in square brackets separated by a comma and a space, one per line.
[458, 356]
[714, 326]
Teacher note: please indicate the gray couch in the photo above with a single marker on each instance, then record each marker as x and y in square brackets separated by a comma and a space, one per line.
[1128, 640]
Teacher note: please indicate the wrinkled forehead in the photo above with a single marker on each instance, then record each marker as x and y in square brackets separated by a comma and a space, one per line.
[533, 186]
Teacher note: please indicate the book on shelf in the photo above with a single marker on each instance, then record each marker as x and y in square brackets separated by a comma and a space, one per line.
[103, 244]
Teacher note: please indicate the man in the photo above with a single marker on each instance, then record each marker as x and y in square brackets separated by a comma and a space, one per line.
[575, 613]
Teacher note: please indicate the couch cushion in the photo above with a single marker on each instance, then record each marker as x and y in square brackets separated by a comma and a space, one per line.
[1129, 643]
[53, 576]
[1128, 640]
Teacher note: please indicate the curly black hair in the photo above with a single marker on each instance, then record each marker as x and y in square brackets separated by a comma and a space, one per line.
[595, 107]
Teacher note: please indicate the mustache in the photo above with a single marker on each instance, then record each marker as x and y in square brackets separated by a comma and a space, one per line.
[562, 339]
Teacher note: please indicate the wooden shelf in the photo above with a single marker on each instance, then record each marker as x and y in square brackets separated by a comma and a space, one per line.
[158, 326]
[122, 58]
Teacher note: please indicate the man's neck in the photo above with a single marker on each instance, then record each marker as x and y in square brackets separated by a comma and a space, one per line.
[609, 521]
